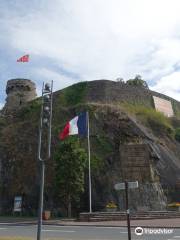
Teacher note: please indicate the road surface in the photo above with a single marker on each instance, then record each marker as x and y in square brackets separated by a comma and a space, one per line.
[55, 232]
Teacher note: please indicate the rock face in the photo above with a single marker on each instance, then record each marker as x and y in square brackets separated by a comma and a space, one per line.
[138, 164]
[132, 157]
[19, 92]
[122, 148]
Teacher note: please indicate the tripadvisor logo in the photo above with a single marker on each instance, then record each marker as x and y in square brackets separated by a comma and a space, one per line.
[140, 231]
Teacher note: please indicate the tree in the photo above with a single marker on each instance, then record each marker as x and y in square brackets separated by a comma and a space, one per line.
[138, 81]
[69, 172]
[119, 79]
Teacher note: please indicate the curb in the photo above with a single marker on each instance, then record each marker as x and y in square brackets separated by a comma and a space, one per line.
[83, 225]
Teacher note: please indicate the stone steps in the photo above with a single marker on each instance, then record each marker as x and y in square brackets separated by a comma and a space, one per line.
[117, 216]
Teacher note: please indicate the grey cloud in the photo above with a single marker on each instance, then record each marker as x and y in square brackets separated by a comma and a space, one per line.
[98, 38]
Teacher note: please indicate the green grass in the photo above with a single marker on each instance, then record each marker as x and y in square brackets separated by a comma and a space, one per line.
[74, 94]
[157, 121]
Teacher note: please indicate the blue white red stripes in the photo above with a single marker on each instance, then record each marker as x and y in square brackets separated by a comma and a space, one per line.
[77, 125]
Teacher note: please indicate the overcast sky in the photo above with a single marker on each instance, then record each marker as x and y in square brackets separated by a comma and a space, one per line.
[75, 40]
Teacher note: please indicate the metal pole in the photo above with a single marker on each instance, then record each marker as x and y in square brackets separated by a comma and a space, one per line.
[41, 193]
[41, 161]
[89, 161]
[50, 120]
[127, 211]
[40, 127]
[42, 166]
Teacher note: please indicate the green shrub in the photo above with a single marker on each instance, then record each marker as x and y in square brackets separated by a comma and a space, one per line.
[75, 94]
[2, 122]
[137, 81]
[177, 134]
[30, 108]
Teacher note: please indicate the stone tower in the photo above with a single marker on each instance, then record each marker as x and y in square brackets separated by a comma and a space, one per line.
[19, 91]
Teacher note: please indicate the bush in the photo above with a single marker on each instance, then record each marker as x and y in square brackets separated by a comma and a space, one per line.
[177, 134]
[137, 81]
[30, 108]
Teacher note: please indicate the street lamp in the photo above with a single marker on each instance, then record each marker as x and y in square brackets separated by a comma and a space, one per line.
[44, 132]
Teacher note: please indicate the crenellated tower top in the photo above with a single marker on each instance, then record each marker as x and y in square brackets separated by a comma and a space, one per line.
[19, 91]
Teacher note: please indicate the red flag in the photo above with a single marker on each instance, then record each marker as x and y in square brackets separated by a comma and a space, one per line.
[24, 58]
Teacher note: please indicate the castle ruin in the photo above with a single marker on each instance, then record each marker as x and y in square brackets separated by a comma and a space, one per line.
[19, 91]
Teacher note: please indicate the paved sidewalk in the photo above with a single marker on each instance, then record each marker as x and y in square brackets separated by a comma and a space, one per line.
[170, 223]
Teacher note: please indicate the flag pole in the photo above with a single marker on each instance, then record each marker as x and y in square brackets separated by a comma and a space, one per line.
[89, 161]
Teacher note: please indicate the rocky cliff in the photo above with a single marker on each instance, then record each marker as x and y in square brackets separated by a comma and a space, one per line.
[129, 141]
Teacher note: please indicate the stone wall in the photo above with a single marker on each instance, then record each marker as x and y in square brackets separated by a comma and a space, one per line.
[106, 91]
[134, 157]
[137, 165]
[109, 91]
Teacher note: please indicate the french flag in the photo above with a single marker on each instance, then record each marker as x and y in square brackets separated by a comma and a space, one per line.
[78, 125]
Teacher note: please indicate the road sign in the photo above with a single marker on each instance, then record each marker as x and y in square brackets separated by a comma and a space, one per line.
[133, 184]
[121, 186]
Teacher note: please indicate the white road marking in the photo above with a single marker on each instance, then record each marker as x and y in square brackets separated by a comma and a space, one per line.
[5, 223]
[60, 226]
[176, 237]
[3, 228]
[82, 226]
[59, 238]
[54, 230]
[99, 227]
[17, 224]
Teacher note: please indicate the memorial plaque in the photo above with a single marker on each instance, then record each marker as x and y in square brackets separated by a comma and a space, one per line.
[18, 204]
[163, 106]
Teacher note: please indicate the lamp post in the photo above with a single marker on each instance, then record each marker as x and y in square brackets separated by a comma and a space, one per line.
[44, 134]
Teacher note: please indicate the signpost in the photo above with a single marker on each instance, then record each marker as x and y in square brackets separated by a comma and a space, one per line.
[121, 186]
[127, 210]
[125, 186]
